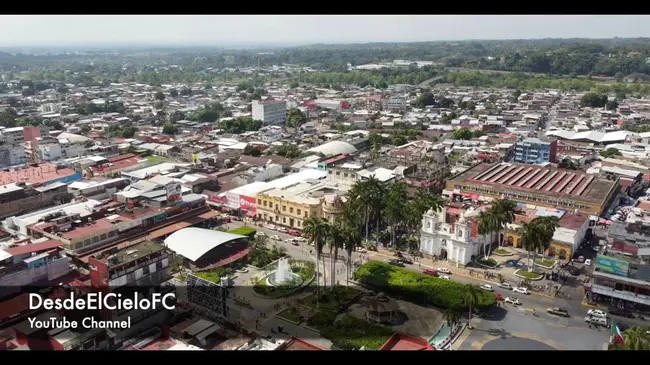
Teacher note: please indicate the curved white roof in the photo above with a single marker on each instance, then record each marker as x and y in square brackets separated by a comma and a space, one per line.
[192, 243]
[334, 148]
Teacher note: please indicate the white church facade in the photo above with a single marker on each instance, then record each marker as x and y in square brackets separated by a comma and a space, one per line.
[450, 242]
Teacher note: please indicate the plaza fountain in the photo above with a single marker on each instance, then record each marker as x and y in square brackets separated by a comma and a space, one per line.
[283, 276]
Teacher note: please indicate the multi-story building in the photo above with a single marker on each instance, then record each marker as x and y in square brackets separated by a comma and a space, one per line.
[536, 185]
[20, 198]
[290, 206]
[535, 151]
[270, 111]
[394, 104]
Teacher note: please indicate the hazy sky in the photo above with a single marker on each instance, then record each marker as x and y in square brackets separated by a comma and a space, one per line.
[54, 30]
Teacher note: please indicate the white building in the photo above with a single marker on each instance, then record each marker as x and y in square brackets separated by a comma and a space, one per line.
[272, 134]
[12, 155]
[450, 242]
[270, 111]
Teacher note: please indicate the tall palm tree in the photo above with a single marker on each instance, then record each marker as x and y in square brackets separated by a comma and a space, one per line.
[452, 316]
[351, 234]
[395, 207]
[376, 192]
[359, 196]
[316, 229]
[504, 209]
[489, 221]
[546, 227]
[470, 299]
[335, 241]
[530, 238]
[636, 338]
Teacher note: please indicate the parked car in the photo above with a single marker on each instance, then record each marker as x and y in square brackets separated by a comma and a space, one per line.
[499, 296]
[445, 277]
[261, 234]
[443, 270]
[505, 286]
[581, 259]
[293, 232]
[513, 301]
[282, 230]
[395, 262]
[587, 262]
[300, 239]
[596, 248]
[361, 249]
[275, 237]
[486, 287]
[520, 290]
[597, 313]
[431, 272]
[557, 311]
[597, 320]
[406, 260]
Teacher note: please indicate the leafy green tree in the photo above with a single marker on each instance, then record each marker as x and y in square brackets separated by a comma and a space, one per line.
[173, 93]
[425, 99]
[610, 152]
[594, 100]
[611, 105]
[170, 129]
[470, 299]
[317, 230]
[159, 96]
[462, 133]
[295, 118]
[249, 150]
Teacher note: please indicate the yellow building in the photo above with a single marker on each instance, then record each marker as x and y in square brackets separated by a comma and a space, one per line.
[291, 206]
[557, 249]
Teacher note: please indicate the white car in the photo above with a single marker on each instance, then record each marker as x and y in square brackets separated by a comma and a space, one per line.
[587, 262]
[596, 248]
[282, 230]
[260, 234]
[520, 290]
[275, 237]
[300, 239]
[289, 240]
[513, 301]
[505, 286]
[486, 287]
[597, 313]
[443, 270]
[444, 277]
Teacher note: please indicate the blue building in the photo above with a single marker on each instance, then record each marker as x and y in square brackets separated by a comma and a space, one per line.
[535, 151]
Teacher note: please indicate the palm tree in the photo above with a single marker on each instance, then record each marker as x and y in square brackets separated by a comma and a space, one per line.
[546, 227]
[452, 316]
[470, 299]
[351, 234]
[316, 228]
[489, 221]
[530, 239]
[335, 241]
[395, 207]
[636, 338]
[359, 196]
[505, 210]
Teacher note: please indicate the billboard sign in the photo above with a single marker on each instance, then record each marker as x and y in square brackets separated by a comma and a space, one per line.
[232, 200]
[612, 265]
[247, 204]
[174, 193]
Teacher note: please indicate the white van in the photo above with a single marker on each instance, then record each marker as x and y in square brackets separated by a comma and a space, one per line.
[597, 320]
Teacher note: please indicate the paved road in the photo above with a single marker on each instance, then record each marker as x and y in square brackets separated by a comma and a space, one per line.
[426, 83]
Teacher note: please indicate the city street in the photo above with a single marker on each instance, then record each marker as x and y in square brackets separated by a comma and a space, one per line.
[515, 322]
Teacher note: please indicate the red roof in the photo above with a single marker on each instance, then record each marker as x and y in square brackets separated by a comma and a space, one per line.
[297, 344]
[14, 306]
[403, 342]
[33, 247]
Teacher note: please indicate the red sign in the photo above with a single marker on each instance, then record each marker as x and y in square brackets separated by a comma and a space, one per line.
[213, 197]
[247, 203]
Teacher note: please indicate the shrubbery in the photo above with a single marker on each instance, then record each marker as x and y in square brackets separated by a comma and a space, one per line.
[244, 231]
[415, 286]
[352, 333]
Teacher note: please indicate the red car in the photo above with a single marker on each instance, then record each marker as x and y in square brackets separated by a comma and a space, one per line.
[430, 272]
[499, 297]
[293, 232]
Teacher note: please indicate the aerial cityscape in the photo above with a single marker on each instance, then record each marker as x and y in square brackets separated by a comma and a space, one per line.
[324, 190]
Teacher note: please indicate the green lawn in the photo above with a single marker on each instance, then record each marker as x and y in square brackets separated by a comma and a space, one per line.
[501, 251]
[529, 275]
[328, 301]
[544, 262]
[488, 262]
[154, 159]
[290, 314]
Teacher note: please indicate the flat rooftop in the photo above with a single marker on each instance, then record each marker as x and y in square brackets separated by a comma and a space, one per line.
[131, 253]
[34, 175]
[541, 180]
